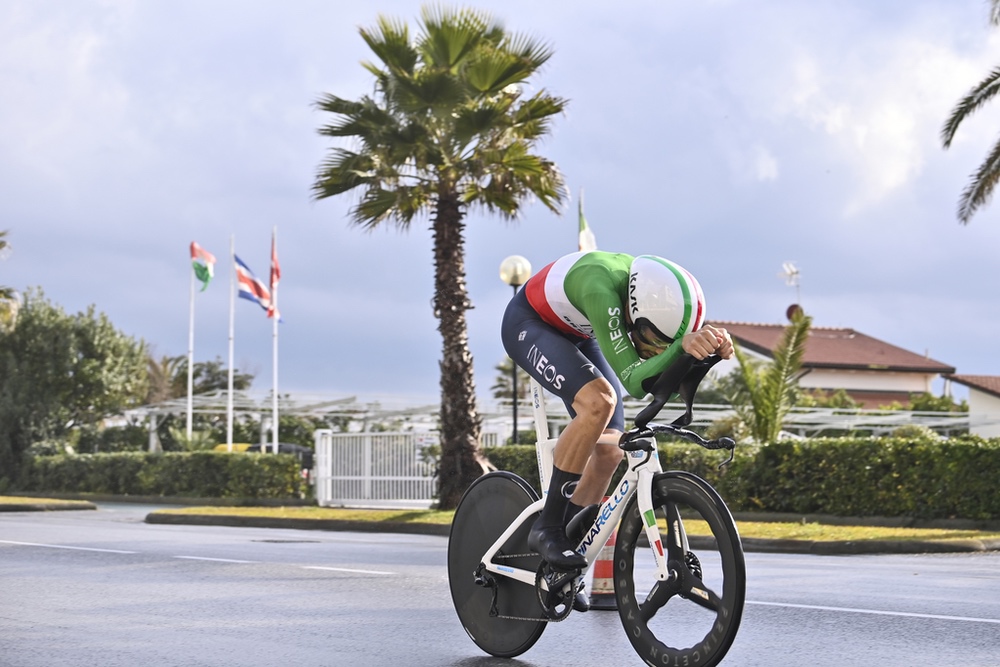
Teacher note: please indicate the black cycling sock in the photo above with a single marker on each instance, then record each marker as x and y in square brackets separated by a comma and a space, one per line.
[572, 509]
[561, 488]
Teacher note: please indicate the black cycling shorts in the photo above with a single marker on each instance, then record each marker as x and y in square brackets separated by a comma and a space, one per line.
[562, 363]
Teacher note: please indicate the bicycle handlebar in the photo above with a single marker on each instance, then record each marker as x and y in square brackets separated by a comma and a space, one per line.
[683, 378]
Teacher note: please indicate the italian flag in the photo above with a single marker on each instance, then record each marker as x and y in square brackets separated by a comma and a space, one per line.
[587, 241]
[204, 264]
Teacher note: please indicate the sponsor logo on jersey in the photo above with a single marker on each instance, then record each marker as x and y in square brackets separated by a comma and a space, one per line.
[618, 338]
[521, 335]
[545, 368]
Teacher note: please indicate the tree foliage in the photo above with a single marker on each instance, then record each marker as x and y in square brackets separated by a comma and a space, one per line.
[770, 389]
[60, 371]
[168, 378]
[983, 181]
[447, 128]
[503, 385]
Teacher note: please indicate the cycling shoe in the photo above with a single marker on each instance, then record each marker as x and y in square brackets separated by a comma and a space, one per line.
[551, 543]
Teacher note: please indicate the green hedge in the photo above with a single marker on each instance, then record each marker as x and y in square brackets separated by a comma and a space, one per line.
[853, 476]
[187, 474]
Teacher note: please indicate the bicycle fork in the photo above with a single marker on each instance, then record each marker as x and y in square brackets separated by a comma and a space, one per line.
[648, 514]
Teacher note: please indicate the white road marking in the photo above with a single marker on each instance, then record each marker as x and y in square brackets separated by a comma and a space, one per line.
[216, 560]
[344, 569]
[876, 612]
[62, 546]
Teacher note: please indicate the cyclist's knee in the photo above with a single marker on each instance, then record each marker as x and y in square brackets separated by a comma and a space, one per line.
[607, 456]
[596, 398]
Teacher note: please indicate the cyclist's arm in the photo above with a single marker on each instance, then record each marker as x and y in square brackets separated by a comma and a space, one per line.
[606, 313]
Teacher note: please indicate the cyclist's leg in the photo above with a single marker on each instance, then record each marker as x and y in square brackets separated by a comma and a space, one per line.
[606, 454]
[553, 359]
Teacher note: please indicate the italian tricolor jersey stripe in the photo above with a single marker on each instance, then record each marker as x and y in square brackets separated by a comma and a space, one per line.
[547, 295]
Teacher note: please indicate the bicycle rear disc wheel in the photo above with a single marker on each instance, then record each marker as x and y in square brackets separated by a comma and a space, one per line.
[692, 618]
[486, 510]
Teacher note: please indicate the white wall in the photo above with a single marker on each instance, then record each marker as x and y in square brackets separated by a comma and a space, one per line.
[984, 407]
[867, 380]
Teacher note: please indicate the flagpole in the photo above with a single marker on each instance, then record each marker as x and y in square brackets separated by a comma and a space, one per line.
[190, 399]
[274, 338]
[232, 317]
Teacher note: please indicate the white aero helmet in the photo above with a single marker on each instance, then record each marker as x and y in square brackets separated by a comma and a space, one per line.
[664, 300]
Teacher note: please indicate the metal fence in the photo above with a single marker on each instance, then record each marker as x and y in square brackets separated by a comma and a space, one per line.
[375, 469]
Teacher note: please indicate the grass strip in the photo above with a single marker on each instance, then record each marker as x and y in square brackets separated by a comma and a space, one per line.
[748, 529]
[26, 500]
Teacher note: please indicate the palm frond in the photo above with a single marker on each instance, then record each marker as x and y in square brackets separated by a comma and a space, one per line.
[770, 388]
[982, 93]
[980, 189]
[390, 41]
[449, 36]
[528, 49]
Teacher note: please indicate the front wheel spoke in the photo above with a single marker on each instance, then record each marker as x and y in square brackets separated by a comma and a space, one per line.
[657, 598]
[675, 537]
[702, 595]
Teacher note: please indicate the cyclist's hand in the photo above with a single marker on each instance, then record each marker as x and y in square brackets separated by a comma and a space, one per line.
[708, 340]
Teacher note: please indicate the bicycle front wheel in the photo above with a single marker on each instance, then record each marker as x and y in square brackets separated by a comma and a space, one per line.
[501, 615]
[692, 617]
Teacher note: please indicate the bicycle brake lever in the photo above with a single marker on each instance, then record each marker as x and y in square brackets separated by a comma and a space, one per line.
[643, 440]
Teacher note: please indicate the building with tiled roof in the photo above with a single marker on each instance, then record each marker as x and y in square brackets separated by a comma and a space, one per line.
[984, 402]
[874, 373]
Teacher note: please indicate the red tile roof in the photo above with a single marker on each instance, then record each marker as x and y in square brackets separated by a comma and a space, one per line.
[985, 383]
[836, 348]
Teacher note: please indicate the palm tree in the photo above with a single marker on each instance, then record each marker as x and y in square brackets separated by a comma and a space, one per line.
[980, 188]
[447, 128]
[769, 391]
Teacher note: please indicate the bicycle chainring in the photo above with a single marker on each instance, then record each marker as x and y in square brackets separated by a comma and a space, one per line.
[557, 601]
[693, 564]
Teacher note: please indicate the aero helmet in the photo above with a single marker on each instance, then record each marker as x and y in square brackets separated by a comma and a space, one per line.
[664, 300]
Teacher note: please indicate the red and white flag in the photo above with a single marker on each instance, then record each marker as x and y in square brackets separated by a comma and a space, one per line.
[272, 310]
[251, 287]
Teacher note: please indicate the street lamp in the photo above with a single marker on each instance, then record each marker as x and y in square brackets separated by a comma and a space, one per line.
[515, 271]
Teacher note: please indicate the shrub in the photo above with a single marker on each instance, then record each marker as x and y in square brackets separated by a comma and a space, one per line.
[195, 474]
[919, 477]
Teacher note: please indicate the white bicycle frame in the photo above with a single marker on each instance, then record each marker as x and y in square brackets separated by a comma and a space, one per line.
[638, 478]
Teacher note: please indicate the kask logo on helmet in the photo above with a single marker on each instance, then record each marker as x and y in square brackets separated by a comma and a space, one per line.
[666, 296]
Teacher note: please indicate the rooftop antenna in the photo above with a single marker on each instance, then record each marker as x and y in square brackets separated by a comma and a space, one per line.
[790, 273]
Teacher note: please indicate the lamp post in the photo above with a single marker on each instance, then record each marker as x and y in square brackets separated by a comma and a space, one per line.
[515, 271]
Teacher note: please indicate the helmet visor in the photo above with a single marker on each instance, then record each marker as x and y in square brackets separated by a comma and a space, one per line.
[650, 335]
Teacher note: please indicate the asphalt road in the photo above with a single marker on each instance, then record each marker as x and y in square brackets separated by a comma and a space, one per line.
[104, 589]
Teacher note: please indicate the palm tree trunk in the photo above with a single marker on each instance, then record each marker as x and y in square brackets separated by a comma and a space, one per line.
[462, 460]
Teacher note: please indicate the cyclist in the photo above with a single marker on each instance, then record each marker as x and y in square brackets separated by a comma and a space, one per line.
[585, 327]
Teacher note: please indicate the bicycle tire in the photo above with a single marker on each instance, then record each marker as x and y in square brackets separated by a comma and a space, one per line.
[486, 510]
[663, 630]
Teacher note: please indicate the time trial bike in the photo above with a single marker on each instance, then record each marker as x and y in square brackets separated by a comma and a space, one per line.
[679, 569]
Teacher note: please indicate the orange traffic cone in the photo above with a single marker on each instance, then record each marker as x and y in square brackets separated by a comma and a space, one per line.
[602, 587]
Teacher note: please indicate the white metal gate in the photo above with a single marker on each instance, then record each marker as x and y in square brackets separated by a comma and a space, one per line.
[374, 469]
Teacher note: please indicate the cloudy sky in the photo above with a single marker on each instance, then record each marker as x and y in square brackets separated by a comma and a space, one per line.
[728, 135]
